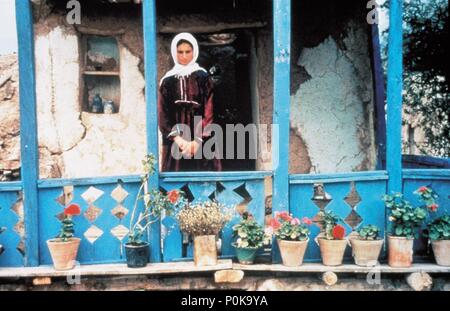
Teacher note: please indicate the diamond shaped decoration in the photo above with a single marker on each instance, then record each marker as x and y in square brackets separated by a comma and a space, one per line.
[353, 198]
[353, 219]
[317, 221]
[119, 194]
[92, 213]
[187, 193]
[242, 191]
[66, 197]
[120, 232]
[92, 194]
[320, 197]
[93, 233]
[119, 211]
[60, 216]
[21, 248]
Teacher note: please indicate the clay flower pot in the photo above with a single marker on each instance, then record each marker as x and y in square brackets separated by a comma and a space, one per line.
[441, 250]
[366, 252]
[292, 252]
[400, 252]
[205, 250]
[332, 251]
[63, 254]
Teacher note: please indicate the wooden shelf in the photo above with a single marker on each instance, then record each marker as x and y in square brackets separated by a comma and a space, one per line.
[114, 269]
[102, 73]
[345, 268]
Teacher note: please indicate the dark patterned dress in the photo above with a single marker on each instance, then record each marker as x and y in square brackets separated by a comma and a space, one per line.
[180, 99]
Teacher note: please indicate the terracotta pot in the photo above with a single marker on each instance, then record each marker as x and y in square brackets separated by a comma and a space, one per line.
[64, 254]
[441, 250]
[400, 251]
[332, 251]
[292, 252]
[205, 250]
[366, 252]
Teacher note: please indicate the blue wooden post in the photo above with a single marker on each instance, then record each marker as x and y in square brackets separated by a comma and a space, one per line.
[394, 98]
[281, 105]
[380, 97]
[28, 129]
[149, 23]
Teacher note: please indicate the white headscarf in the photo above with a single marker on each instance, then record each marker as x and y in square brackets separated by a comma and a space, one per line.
[183, 70]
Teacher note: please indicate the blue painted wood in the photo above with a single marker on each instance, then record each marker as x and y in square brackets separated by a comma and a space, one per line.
[151, 72]
[28, 127]
[371, 208]
[394, 97]
[10, 186]
[60, 182]
[107, 248]
[212, 176]
[418, 161]
[337, 177]
[281, 107]
[380, 97]
[10, 238]
[224, 192]
[443, 174]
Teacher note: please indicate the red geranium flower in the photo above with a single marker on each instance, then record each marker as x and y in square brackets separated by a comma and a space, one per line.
[173, 196]
[433, 207]
[422, 189]
[72, 210]
[306, 220]
[275, 224]
[338, 232]
[284, 215]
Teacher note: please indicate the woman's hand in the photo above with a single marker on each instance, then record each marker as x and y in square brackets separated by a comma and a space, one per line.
[181, 142]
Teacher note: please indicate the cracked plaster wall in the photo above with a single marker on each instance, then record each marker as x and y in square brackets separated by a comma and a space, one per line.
[79, 144]
[332, 111]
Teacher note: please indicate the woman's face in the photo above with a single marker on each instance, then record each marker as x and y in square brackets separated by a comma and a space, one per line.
[184, 54]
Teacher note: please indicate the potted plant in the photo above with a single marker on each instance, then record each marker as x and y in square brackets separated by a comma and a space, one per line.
[204, 221]
[366, 246]
[332, 240]
[64, 248]
[155, 203]
[292, 237]
[405, 221]
[438, 231]
[249, 238]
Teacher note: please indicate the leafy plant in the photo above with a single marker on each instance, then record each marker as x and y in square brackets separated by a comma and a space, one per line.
[248, 233]
[207, 218]
[329, 222]
[155, 204]
[369, 232]
[286, 227]
[439, 229]
[67, 226]
[406, 219]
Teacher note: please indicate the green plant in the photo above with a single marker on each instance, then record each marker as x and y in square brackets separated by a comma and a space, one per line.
[439, 229]
[286, 227]
[368, 232]
[329, 222]
[67, 226]
[248, 233]
[207, 218]
[155, 204]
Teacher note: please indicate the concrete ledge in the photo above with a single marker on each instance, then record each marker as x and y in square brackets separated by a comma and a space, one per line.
[346, 268]
[114, 269]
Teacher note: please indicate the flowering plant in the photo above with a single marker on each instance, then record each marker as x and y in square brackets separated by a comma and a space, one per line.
[329, 222]
[207, 218]
[439, 228]
[249, 233]
[67, 225]
[155, 202]
[368, 232]
[286, 227]
[406, 219]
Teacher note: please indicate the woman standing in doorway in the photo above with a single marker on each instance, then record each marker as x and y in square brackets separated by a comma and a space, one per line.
[185, 101]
